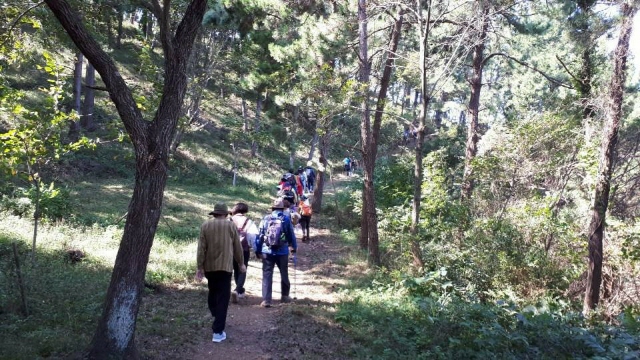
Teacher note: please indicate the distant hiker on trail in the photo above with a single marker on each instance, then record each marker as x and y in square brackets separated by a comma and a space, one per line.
[347, 165]
[354, 165]
[298, 186]
[247, 231]
[218, 245]
[303, 179]
[272, 246]
[311, 176]
[304, 208]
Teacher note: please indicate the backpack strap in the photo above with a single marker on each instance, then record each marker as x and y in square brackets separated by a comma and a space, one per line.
[246, 220]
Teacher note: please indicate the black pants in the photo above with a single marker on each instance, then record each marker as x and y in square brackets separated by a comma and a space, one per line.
[219, 294]
[268, 266]
[240, 277]
[304, 223]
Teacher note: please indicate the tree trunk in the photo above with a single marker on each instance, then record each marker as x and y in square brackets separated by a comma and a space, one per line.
[109, 24]
[474, 103]
[87, 120]
[256, 127]
[416, 249]
[74, 126]
[314, 141]
[371, 151]
[318, 190]
[114, 336]
[245, 116]
[120, 15]
[368, 203]
[605, 169]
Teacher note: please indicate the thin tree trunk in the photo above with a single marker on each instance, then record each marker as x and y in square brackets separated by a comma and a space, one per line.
[416, 250]
[245, 116]
[256, 127]
[36, 220]
[474, 103]
[120, 15]
[372, 145]
[368, 202]
[318, 189]
[87, 120]
[74, 126]
[314, 142]
[607, 151]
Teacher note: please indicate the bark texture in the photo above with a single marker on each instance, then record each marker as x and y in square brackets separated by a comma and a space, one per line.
[114, 336]
[605, 169]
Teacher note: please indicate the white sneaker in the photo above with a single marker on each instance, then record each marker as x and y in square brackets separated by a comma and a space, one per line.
[242, 296]
[234, 297]
[219, 337]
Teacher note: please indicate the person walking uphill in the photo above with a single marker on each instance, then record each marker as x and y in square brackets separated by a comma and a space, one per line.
[218, 245]
[272, 246]
[247, 230]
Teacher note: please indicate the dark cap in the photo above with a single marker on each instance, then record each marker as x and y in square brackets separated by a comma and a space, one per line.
[220, 209]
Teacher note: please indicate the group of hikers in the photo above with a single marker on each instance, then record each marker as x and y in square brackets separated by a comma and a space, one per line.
[225, 245]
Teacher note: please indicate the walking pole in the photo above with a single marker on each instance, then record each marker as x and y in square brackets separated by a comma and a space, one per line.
[295, 262]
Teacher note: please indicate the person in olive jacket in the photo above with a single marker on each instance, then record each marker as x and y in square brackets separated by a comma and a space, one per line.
[218, 245]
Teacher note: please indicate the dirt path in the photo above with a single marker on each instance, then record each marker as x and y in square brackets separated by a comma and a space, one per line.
[300, 330]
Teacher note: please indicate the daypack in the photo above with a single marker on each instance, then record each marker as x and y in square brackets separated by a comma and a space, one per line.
[305, 209]
[273, 235]
[310, 173]
[289, 195]
[243, 234]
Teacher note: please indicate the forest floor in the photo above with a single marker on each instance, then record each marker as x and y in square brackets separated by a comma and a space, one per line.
[303, 329]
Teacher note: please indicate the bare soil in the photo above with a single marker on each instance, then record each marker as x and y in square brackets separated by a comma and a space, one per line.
[303, 329]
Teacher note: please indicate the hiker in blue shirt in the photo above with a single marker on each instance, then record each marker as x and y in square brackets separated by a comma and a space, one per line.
[272, 246]
[347, 165]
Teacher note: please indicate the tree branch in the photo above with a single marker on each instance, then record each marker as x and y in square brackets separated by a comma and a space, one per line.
[567, 70]
[15, 22]
[549, 78]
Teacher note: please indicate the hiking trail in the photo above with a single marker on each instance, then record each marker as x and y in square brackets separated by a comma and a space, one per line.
[303, 329]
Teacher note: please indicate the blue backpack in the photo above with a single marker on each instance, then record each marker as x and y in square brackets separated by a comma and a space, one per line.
[273, 234]
[310, 173]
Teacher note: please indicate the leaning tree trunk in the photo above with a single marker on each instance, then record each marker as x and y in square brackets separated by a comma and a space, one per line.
[114, 336]
[607, 150]
[474, 105]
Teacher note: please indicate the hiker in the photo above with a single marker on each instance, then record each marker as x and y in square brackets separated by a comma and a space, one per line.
[311, 176]
[347, 165]
[304, 208]
[290, 178]
[272, 246]
[247, 230]
[287, 193]
[302, 175]
[218, 245]
[354, 165]
[291, 211]
[298, 186]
